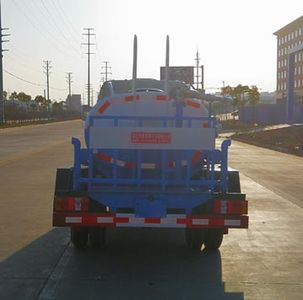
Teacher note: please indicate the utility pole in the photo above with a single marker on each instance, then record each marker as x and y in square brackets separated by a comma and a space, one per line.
[47, 68]
[88, 44]
[106, 72]
[91, 93]
[69, 81]
[202, 78]
[1, 66]
[197, 59]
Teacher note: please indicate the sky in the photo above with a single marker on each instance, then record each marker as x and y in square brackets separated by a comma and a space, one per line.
[234, 38]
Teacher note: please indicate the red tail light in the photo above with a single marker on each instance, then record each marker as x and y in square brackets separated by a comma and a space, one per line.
[230, 207]
[70, 203]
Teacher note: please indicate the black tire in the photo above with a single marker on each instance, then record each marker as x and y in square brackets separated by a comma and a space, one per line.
[64, 182]
[97, 236]
[194, 238]
[213, 239]
[233, 182]
[79, 237]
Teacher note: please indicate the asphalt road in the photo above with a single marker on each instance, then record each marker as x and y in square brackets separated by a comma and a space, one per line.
[38, 262]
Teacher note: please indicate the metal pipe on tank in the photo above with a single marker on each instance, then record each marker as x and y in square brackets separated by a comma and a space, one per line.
[134, 65]
[166, 65]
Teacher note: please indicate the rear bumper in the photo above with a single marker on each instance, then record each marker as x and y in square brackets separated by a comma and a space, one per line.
[130, 220]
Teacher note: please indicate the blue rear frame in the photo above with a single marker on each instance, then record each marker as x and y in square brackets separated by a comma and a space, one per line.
[153, 197]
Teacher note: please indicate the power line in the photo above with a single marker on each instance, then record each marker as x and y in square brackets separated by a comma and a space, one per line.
[88, 44]
[30, 82]
[13, 57]
[67, 19]
[60, 11]
[56, 25]
[54, 44]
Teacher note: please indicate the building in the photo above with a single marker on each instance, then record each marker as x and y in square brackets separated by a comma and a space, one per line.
[73, 103]
[289, 37]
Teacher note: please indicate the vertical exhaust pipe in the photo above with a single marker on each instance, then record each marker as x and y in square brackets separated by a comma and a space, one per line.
[134, 65]
[166, 66]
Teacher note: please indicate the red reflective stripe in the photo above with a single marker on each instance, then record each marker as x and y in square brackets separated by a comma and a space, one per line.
[121, 220]
[104, 107]
[216, 222]
[104, 157]
[131, 98]
[161, 97]
[183, 221]
[193, 104]
[91, 219]
[129, 165]
[196, 156]
[107, 158]
[152, 220]
[205, 125]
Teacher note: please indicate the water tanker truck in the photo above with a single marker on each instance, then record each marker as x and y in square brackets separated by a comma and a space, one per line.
[150, 161]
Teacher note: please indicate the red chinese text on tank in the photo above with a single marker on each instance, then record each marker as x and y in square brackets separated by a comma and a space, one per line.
[150, 138]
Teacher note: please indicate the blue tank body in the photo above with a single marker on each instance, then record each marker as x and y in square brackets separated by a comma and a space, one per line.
[126, 110]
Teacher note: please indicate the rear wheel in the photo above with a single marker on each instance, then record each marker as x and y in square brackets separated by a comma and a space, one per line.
[233, 182]
[213, 239]
[194, 238]
[79, 237]
[97, 236]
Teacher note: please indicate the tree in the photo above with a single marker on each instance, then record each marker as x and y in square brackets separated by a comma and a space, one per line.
[253, 95]
[239, 94]
[13, 96]
[254, 99]
[4, 95]
[57, 107]
[24, 97]
[40, 100]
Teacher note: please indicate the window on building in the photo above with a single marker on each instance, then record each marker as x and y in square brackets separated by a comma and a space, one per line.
[292, 35]
[300, 31]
